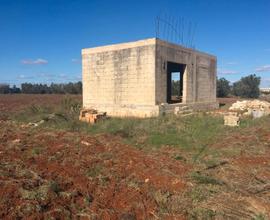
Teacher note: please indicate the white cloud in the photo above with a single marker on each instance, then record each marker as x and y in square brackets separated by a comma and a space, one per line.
[49, 77]
[231, 63]
[74, 60]
[265, 68]
[22, 76]
[45, 75]
[226, 72]
[38, 61]
[62, 75]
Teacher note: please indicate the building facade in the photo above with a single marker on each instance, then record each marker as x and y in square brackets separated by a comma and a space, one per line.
[147, 78]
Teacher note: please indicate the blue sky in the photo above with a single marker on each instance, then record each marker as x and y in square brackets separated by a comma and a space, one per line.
[41, 40]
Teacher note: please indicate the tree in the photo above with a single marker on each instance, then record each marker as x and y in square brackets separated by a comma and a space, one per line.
[27, 88]
[78, 87]
[223, 87]
[15, 89]
[4, 88]
[61, 88]
[176, 87]
[247, 87]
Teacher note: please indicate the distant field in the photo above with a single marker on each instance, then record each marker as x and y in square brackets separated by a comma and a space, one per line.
[158, 168]
[15, 102]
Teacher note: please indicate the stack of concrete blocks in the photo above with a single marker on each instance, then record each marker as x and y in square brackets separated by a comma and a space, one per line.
[231, 119]
[91, 116]
[130, 79]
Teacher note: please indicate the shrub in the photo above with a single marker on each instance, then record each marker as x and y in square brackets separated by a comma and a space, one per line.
[223, 87]
[4, 88]
[247, 87]
[203, 179]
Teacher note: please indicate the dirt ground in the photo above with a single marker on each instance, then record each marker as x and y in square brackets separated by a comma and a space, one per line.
[56, 174]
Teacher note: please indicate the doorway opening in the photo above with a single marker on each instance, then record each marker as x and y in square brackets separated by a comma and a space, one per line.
[175, 74]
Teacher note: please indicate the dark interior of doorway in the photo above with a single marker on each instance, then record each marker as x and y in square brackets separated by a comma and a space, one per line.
[175, 73]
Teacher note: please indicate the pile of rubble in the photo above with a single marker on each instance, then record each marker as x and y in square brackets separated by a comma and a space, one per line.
[254, 108]
[91, 116]
[231, 119]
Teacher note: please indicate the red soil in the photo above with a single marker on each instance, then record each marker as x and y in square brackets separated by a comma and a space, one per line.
[17, 102]
[96, 174]
[55, 174]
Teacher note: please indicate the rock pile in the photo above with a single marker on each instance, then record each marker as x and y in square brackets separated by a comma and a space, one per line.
[231, 119]
[255, 108]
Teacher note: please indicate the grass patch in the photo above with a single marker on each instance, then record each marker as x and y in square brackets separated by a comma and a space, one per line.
[55, 187]
[162, 199]
[191, 132]
[88, 199]
[195, 131]
[4, 116]
[36, 151]
[134, 184]
[94, 171]
[203, 179]
[67, 111]
[248, 122]
[194, 134]
[201, 193]
[259, 217]
[202, 213]
[179, 157]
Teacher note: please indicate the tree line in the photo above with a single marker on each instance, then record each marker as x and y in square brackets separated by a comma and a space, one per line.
[38, 88]
[246, 87]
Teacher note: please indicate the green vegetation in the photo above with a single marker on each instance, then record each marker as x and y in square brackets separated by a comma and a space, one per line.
[179, 157]
[223, 87]
[5, 89]
[202, 213]
[247, 87]
[36, 151]
[94, 171]
[54, 186]
[203, 179]
[194, 133]
[259, 217]
[190, 132]
[53, 88]
[162, 199]
[200, 193]
[176, 88]
[199, 144]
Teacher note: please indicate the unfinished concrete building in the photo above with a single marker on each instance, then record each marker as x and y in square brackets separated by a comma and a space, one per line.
[147, 78]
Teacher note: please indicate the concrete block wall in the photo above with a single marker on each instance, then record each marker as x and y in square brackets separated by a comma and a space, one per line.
[199, 83]
[166, 52]
[120, 78]
[130, 79]
[206, 79]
